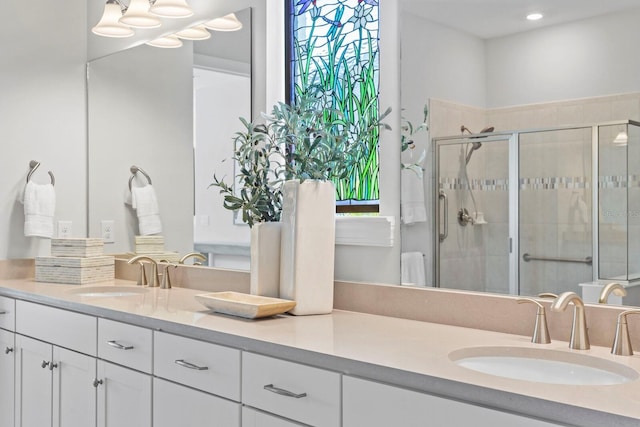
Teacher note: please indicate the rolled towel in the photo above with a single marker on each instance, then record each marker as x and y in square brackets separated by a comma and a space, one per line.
[145, 202]
[39, 208]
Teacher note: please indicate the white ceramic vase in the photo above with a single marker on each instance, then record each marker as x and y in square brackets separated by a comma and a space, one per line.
[265, 259]
[308, 246]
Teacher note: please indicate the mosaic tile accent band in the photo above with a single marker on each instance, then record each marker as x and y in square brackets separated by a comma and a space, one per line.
[541, 183]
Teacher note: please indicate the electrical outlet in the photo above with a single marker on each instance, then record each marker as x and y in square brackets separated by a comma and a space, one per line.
[64, 229]
[108, 231]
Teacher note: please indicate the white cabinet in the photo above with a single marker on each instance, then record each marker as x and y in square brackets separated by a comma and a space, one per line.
[54, 386]
[124, 397]
[7, 313]
[291, 390]
[176, 405]
[7, 377]
[126, 345]
[254, 418]
[371, 404]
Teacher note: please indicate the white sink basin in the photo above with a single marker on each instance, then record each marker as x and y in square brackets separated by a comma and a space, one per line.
[543, 366]
[108, 291]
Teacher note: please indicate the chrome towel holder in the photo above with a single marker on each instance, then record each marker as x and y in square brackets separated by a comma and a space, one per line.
[134, 170]
[33, 165]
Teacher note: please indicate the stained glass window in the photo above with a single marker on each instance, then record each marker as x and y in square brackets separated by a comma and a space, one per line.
[333, 44]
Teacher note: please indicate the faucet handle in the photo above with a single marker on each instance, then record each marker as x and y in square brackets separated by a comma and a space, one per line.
[622, 342]
[166, 277]
[540, 330]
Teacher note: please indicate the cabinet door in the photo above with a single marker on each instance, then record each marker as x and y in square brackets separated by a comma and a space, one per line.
[33, 383]
[254, 418]
[196, 407]
[124, 397]
[7, 378]
[74, 396]
[371, 404]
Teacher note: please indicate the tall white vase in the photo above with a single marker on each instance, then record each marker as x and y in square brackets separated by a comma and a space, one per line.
[308, 246]
[265, 259]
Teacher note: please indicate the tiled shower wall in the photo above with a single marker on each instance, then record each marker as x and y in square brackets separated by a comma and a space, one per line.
[555, 201]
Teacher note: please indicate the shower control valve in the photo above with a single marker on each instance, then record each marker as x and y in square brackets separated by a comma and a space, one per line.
[464, 218]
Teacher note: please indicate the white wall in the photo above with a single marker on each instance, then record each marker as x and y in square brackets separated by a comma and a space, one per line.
[42, 114]
[587, 58]
[141, 113]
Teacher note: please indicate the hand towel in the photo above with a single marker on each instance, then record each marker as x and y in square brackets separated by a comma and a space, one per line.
[412, 269]
[145, 202]
[39, 207]
[412, 204]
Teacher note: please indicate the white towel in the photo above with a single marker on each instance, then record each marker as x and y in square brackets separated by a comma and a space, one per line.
[39, 207]
[145, 202]
[412, 269]
[412, 204]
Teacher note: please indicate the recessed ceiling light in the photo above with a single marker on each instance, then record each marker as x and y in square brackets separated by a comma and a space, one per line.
[534, 16]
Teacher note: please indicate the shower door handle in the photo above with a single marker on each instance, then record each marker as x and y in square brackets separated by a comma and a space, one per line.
[443, 196]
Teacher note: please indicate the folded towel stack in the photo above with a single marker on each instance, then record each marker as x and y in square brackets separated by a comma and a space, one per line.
[145, 202]
[39, 207]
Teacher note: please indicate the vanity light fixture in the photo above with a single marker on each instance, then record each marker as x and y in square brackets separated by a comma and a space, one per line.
[110, 25]
[137, 15]
[534, 16]
[171, 9]
[228, 22]
[168, 42]
[621, 139]
[198, 32]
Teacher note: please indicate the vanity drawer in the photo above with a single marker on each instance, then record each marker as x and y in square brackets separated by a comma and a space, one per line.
[301, 393]
[126, 345]
[7, 313]
[63, 328]
[204, 366]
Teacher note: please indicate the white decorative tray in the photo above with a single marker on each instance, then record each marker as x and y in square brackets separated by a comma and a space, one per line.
[244, 305]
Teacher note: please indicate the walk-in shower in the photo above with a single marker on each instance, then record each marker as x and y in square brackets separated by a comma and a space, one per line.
[558, 208]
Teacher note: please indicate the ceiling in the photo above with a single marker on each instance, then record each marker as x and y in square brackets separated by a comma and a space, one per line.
[495, 18]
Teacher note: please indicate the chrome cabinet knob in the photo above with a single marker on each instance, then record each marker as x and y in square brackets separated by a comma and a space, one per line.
[8, 350]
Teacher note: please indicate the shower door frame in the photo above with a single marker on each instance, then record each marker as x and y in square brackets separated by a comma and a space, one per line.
[514, 192]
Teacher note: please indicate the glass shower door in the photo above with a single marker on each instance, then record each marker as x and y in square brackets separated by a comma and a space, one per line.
[555, 210]
[472, 249]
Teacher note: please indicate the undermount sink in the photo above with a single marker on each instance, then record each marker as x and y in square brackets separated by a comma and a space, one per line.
[543, 366]
[108, 291]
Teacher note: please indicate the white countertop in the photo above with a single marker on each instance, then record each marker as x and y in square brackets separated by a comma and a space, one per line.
[401, 352]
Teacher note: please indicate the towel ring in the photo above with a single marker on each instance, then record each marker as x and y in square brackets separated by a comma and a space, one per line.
[33, 165]
[134, 170]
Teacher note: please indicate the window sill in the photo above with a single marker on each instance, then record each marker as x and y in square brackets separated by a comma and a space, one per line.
[365, 230]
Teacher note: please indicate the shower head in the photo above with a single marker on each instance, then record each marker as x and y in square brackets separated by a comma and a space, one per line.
[488, 129]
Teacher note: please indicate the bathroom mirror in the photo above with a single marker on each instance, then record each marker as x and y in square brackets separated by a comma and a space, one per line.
[172, 113]
[484, 64]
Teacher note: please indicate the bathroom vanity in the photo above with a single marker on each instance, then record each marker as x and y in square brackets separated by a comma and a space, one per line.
[121, 355]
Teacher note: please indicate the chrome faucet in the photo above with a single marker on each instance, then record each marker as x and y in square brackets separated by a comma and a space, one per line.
[612, 288]
[540, 330]
[579, 336]
[622, 342]
[197, 255]
[166, 277]
[155, 279]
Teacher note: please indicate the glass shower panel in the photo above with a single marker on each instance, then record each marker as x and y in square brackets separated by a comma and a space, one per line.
[613, 203]
[633, 154]
[475, 253]
[555, 214]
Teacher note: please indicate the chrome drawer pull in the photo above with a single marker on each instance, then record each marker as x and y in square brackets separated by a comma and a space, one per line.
[3, 312]
[119, 346]
[283, 392]
[184, 364]
[8, 350]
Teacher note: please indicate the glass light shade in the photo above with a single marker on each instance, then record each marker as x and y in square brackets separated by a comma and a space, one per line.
[109, 25]
[166, 42]
[171, 9]
[138, 16]
[621, 139]
[227, 23]
[198, 32]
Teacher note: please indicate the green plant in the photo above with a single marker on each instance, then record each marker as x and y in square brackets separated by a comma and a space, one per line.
[306, 140]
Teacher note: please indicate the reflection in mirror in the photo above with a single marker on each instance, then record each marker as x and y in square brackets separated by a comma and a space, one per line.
[518, 77]
[152, 108]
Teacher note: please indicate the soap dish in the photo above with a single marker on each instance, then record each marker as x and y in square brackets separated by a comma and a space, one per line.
[244, 305]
